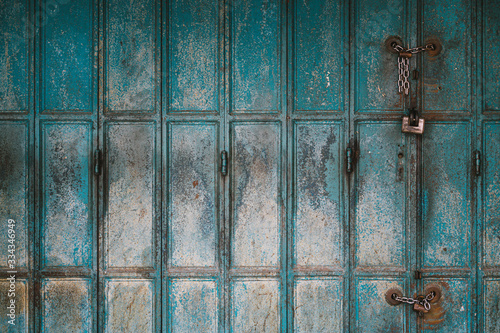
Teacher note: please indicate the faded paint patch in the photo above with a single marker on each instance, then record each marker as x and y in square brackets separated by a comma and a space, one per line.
[129, 220]
[66, 305]
[256, 219]
[254, 306]
[67, 225]
[318, 220]
[318, 305]
[193, 222]
[193, 306]
[129, 306]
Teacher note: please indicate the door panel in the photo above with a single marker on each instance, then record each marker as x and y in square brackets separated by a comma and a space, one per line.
[130, 57]
[255, 55]
[372, 312]
[446, 195]
[308, 294]
[380, 229]
[14, 187]
[193, 52]
[193, 220]
[375, 68]
[318, 55]
[67, 57]
[193, 305]
[255, 305]
[452, 312]
[447, 76]
[66, 305]
[66, 179]
[491, 305]
[130, 205]
[491, 232]
[22, 306]
[14, 62]
[491, 54]
[129, 305]
[256, 197]
[318, 216]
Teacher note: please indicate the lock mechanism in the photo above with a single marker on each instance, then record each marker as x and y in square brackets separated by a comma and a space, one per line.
[413, 123]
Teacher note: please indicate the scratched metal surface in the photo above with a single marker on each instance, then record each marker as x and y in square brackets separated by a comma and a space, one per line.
[157, 240]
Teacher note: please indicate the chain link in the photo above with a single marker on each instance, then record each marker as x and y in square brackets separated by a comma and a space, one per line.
[404, 64]
[424, 301]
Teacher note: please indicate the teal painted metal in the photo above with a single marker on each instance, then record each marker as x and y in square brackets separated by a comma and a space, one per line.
[239, 166]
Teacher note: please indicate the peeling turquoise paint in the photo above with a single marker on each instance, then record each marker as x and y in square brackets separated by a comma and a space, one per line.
[149, 236]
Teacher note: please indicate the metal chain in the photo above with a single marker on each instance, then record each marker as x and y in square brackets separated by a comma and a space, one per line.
[424, 301]
[404, 64]
[404, 74]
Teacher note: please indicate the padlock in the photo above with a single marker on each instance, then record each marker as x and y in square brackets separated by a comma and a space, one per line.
[413, 123]
[419, 308]
[405, 54]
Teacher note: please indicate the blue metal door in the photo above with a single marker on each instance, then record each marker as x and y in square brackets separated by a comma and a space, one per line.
[239, 166]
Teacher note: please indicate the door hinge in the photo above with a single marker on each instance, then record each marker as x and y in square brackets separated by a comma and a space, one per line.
[223, 163]
[477, 160]
[348, 158]
[97, 162]
[418, 275]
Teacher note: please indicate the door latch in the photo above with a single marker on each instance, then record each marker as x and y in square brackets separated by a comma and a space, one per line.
[223, 163]
[97, 162]
[413, 123]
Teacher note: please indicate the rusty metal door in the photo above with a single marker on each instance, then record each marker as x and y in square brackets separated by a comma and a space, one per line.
[239, 166]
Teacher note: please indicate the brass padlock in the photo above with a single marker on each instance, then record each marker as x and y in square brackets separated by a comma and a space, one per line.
[413, 123]
[405, 54]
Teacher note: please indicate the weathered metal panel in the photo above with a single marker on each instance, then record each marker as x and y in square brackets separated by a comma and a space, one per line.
[193, 306]
[446, 195]
[318, 218]
[21, 306]
[373, 313]
[491, 54]
[130, 167]
[491, 178]
[193, 218]
[375, 67]
[453, 312]
[130, 55]
[14, 42]
[380, 227]
[318, 305]
[255, 160]
[255, 305]
[129, 306]
[67, 56]
[66, 177]
[193, 55]
[491, 310]
[318, 55]
[66, 305]
[447, 76]
[14, 189]
[255, 55]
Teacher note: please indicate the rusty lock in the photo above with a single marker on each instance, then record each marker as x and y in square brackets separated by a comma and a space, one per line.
[413, 123]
